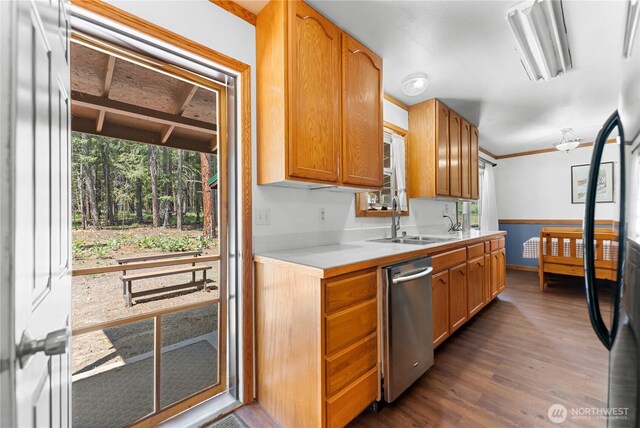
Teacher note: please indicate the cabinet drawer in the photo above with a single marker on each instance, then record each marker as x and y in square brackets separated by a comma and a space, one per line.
[347, 366]
[348, 326]
[448, 259]
[495, 244]
[349, 290]
[501, 243]
[353, 400]
[475, 250]
[487, 247]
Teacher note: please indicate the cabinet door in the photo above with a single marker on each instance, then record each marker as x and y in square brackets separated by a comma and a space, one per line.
[502, 270]
[455, 183]
[361, 114]
[487, 278]
[475, 285]
[495, 273]
[473, 156]
[442, 149]
[457, 296]
[440, 307]
[314, 95]
[465, 158]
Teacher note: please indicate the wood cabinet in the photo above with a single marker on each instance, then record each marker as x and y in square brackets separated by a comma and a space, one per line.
[455, 155]
[317, 345]
[440, 305]
[474, 170]
[487, 278]
[498, 267]
[319, 102]
[502, 270]
[446, 146]
[475, 285]
[441, 128]
[457, 296]
[463, 282]
[361, 117]
[465, 159]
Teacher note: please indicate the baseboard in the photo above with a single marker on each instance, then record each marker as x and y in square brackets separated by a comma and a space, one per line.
[524, 268]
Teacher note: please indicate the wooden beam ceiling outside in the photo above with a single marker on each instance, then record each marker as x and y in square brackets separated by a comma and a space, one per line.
[117, 107]
[111, 65]
[181, 106]
[88, 126]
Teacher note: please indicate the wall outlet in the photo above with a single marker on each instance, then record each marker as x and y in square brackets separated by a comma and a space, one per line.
[322, 215]
[446, 210]
[263, 217]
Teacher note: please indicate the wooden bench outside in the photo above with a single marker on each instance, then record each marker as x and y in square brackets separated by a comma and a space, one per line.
[189, 257]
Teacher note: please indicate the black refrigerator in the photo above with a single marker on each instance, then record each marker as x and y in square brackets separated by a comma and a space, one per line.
[621, 335]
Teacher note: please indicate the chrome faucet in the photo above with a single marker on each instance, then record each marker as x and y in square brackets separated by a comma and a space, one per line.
[455, 227]
[395, 212]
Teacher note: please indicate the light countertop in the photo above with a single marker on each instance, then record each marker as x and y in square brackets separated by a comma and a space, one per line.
[333, 257]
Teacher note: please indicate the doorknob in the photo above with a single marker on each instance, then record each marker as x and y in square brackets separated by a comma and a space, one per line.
[54, 344]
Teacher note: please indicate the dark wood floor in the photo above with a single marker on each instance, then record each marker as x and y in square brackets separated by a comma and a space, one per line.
[522, 353]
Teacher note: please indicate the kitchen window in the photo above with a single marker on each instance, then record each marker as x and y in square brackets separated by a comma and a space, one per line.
[378, 203]
[475, 207]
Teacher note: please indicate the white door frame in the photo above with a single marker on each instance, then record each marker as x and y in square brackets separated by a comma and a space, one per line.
[8, 17]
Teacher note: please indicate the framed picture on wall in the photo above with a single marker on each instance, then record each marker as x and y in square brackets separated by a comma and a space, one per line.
[580, 178]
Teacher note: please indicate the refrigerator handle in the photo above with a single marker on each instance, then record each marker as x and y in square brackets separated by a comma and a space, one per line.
[606, 337]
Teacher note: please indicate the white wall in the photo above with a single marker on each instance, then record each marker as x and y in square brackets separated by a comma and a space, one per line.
[295, 218]
[539, 186]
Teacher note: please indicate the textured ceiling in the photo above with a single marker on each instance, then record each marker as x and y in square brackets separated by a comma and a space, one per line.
[467, 50]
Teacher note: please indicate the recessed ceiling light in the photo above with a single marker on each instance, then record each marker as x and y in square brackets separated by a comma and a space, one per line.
[414, 84]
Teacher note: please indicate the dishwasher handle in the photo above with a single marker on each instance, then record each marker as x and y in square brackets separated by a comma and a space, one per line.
[405, 278]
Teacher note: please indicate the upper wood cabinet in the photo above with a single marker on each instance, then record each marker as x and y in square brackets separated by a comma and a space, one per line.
[473, 165]
[465, 159]
[314, 85]
[443, 148]
[361, 114]
[455, 155]
[319, 102]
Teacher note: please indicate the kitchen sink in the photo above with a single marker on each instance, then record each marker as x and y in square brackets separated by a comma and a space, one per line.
[415, 240]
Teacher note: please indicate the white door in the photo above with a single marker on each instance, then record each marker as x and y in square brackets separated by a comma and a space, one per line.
[37, 208]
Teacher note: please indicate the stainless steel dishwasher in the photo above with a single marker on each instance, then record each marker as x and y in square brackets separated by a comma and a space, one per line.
[407, 325]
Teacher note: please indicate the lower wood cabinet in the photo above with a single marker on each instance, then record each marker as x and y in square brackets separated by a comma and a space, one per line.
[440, 305]
[475, 285]
[464, 281]
[457, 296]
[317, 347]
[502, 270]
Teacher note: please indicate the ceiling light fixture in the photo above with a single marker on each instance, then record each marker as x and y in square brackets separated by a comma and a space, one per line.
[568, 141]
[414, 84]
[541, 38]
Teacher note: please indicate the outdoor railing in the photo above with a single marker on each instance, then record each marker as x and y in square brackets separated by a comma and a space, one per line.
[157, 329]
